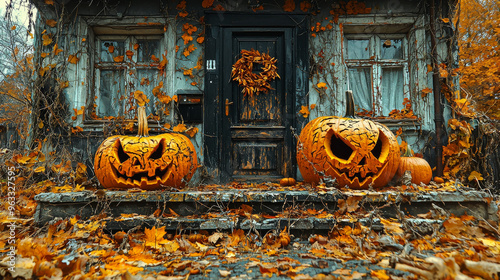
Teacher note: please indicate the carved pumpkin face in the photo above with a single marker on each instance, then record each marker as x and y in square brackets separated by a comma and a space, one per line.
[145, 162]
[356, 152]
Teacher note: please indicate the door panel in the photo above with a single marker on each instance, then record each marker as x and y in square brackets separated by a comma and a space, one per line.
[258, 145]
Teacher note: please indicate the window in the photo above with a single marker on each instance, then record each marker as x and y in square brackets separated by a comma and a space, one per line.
[377, 71]
[122, 65]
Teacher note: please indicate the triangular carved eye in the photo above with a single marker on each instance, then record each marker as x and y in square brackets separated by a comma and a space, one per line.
[377, 150]
[158, 152]
[122, 155]
[339, 148]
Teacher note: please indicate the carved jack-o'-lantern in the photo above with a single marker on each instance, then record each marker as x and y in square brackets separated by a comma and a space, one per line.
[146, 162]
[356, 152]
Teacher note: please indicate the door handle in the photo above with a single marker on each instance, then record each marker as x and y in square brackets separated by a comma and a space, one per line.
[227, 106]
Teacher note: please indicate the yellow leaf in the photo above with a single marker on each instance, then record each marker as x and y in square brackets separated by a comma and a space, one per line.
[475, 175]
[321, 85]
[380, 274]
[141, 98]
[46, 40]
[154, 236]
[445, 20]
[170, 246]
[40, 125]
[304, 111]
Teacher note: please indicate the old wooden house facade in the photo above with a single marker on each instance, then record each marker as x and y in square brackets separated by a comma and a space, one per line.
[181, 55]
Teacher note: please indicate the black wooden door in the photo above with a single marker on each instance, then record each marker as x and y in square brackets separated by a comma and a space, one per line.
[249, 138]
[256, 137]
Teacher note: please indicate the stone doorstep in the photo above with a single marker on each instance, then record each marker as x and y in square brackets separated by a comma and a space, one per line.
[186, 203]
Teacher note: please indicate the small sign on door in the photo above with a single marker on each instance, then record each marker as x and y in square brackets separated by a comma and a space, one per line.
[211, 65]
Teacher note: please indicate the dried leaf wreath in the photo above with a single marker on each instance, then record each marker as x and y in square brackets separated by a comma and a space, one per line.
[254, 82]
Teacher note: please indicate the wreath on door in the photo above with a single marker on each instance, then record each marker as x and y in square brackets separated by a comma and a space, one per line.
[251, 82]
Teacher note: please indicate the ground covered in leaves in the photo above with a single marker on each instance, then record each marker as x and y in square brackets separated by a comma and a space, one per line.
[436, 245]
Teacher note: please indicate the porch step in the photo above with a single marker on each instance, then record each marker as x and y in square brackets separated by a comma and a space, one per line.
[263, 210]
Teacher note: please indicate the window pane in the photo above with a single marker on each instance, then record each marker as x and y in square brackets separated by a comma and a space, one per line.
[110, 49]
[360, 82]
[358, 49]
[392, 89]
[148, 79]
[392, 49]
[147, 48]
[110, 93]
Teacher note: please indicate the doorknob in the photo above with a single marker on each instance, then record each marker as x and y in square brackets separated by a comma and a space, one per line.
[227, 106]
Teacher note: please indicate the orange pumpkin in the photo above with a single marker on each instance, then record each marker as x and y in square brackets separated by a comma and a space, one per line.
[287, 182]
[143, 161]
[421, 171]
[355, 152]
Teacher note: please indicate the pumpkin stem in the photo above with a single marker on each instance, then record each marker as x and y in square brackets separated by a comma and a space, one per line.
[349, 106]
[408, 152]
[142, 118]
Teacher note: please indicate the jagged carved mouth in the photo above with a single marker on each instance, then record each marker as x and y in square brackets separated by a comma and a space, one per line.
[142, 178]
[357, 178]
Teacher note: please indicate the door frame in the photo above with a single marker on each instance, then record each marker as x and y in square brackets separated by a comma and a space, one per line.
[214, 81]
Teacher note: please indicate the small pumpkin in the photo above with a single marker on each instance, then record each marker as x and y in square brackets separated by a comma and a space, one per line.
[421, 171]
[287, 182]
[355, 152]
[143, 161]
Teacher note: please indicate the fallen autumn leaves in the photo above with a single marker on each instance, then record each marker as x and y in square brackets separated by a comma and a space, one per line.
[436, 245]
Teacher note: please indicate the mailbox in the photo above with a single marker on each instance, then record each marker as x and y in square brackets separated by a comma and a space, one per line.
[190, 106]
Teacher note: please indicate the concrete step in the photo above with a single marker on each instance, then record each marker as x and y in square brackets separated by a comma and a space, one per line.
[264, 210]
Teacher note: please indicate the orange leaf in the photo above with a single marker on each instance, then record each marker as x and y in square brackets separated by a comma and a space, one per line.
[207, 3]
[118, 58]
[425, 92]
[186, 38]
[200, 40]
[180, 128]
[289, 6]
[51, 22]
[445, 20]
[321, 85]
[136, 46]
[154, 58]
[181, 5]
[305, 6]
[129, 54]
[192, 131]
[13, 27]
[141, 98]
[380, 274]
[56, 49]
[183, 14]
[111, 49]
[73, 59]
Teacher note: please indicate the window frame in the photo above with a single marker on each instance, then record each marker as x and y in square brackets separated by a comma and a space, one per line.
[127, 66]
[376, 64]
